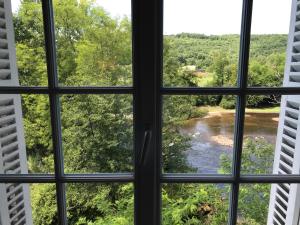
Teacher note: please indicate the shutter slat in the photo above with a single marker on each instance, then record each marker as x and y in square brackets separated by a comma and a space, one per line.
[16, 206]
[279, 214]
[287, 147]
[17, 215]
[14, 189]
[11, 155]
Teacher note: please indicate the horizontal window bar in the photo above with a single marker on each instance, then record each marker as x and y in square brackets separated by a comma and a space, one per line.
[270, 179]
[129, 177]
[27, 178]
[195, 178]
[103, 178]
[198, 178]
[68, 178]
[24, 90]
[164, 91]
[231, 91]
[66, 90]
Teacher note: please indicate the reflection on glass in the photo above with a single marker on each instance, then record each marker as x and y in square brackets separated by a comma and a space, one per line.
[97, 133]
[198, 134]
[195, 204]
[100, 204]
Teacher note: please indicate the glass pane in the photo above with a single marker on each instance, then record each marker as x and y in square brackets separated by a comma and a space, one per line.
[22, 45]
[43, 203]
[253, 204]
[110, 204]
[97, 133]
[28, 204]
[269, 39]
[271, 137]
[93, 42]
[25, 134]
[195, 204]
[198, 133]
[199, 49]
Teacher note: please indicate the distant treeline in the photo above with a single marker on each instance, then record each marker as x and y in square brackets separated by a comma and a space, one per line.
[216, 58]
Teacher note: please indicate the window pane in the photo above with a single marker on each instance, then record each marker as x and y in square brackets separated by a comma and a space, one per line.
[93, 42]
[25, 134]
[268, 204]
[100, 204]
[260, 132]
[97, 133]
[195, 204]
[22, 45]
[28, 204]
[198, 133]
[269, 40]
[201, 42]
[253, 204]
[271, 138]
[43, 203]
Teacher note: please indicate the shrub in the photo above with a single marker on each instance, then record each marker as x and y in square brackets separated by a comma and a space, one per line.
[228, 102]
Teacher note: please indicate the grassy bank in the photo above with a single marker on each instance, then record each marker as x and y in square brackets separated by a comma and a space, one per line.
[218, 109]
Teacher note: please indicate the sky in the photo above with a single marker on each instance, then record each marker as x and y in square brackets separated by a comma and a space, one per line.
[211, 16]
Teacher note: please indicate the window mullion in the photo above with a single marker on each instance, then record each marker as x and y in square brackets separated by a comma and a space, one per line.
[50, 46]
[147, 61]
[240, 107]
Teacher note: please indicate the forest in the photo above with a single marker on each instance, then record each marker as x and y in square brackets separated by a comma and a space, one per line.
[94, 49]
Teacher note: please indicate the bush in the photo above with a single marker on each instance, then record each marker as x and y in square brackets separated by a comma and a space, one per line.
[228, 102]
[198, 112]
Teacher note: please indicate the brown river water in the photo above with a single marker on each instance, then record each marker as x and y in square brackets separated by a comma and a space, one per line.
[212, 136]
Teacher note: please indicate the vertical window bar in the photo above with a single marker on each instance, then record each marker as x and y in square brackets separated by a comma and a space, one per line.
[54, 108]
[240, 107]
[159, 103]
[147, 61]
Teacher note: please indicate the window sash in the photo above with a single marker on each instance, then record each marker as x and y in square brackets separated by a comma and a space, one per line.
[147, 91]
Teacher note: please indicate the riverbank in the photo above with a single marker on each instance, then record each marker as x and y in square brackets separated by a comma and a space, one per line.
[212, 111]
[220, 110]
[218, 123]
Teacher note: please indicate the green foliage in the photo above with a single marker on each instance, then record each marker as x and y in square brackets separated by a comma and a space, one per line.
[257, 158]
[194, 204]
[97, 133]
[198, 112]
[217, 57]
[176, 109]
[228, 102]
[43, 202]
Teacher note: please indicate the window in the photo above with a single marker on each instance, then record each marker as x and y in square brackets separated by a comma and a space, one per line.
[141, 95]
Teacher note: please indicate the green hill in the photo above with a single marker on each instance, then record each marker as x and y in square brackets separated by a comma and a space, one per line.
[197, 49]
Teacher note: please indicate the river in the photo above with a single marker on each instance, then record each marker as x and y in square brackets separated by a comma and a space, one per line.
[212, 136]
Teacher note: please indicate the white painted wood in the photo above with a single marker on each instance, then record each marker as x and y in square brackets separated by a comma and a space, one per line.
[15, 205]
[284, 203]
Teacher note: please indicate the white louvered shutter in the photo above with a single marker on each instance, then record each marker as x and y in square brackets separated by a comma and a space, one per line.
[15, 206]
[285, 198]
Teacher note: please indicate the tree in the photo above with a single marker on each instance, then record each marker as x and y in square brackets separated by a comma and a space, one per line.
[257, 158]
